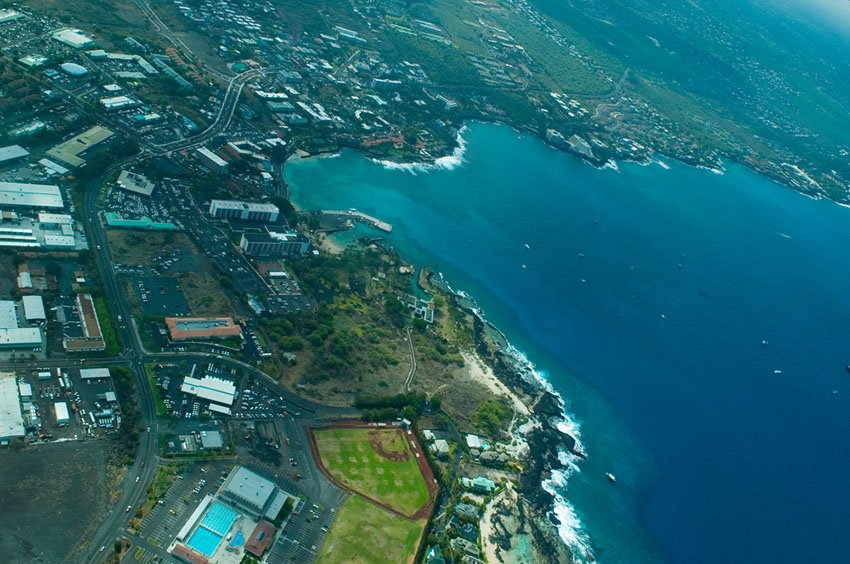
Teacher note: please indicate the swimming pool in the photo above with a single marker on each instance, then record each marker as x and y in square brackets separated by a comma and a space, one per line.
[219, 519]
[204, 541]
[238, 540]
[216, 523]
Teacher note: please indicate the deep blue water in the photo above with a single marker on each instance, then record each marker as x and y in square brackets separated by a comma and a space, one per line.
[655, 336]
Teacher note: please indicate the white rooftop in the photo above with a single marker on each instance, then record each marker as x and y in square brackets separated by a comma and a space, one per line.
[72, 37]
[8, 315]
[239, 205]
[11, 421]
[249, 487]
[12, 152]
[30, 195]
[94, 373]
[34, 308]
[210, 388]
[134, 182]
[20, 337]
[212, 156]
[58, 218]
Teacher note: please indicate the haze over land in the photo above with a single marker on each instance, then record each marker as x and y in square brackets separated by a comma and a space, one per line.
[547, 304]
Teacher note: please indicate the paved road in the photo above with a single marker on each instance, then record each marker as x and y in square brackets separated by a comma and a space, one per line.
[144, 466]
[133, 355]
[412, 371]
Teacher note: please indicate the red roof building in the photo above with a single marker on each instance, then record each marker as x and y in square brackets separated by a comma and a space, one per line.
[261, 539]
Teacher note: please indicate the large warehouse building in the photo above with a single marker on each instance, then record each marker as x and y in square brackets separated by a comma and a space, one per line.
[12, 153]
[11, 419]
[73, 38]
[34, 308]
[69, 152]
[12, 336]
[211, 389]
[30, 195]
[252, 493]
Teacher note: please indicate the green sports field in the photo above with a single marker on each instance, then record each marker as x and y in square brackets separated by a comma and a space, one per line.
[378, 463]
[364, 533]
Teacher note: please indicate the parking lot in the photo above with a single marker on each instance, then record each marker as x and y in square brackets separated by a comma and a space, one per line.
[90, 403]
[161, 296]
[161, 525]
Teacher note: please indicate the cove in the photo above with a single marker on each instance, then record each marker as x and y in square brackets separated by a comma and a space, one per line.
[696, 324]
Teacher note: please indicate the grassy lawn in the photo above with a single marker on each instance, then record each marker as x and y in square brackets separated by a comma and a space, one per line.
[161, 408]
[107, 326]
[349, 456]
[365, 533]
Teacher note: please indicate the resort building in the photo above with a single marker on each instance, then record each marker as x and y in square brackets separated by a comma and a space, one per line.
[211, 160]
[246, 211]
[274, 243]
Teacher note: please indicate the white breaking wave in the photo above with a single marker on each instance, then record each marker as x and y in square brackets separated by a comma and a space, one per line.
[448, 162]
[571, 529]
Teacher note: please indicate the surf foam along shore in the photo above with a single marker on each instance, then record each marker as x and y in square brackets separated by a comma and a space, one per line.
[447, 162]
[556, 436]
[570, 527]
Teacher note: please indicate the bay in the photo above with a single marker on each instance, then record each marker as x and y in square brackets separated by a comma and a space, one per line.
[696, 324]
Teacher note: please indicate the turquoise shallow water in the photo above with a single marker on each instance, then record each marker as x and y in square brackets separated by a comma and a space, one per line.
[659, 303]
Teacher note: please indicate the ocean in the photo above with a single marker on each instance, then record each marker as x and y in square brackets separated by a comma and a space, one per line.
[697, 326]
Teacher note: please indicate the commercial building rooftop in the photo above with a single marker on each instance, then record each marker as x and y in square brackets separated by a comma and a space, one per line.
[34, 308]
[11, 420]
[20, 337]
[12, 152]
[182, 328]
[73, 38]
[55, 218]
[9, 16]
[211, 439]
[30, 195]
[211, 389]
[133, 182]
[73, 69]
[94, 373]
[69, 152]
[8, 315]
[248, 487]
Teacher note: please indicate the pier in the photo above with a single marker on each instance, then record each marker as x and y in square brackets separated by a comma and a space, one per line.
[355, 215]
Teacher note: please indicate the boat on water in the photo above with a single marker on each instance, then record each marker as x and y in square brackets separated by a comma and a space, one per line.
[527, 246]
[611, 477]
[777, 372]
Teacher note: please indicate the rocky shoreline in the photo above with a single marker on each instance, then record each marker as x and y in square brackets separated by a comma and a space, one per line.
[531, 513]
